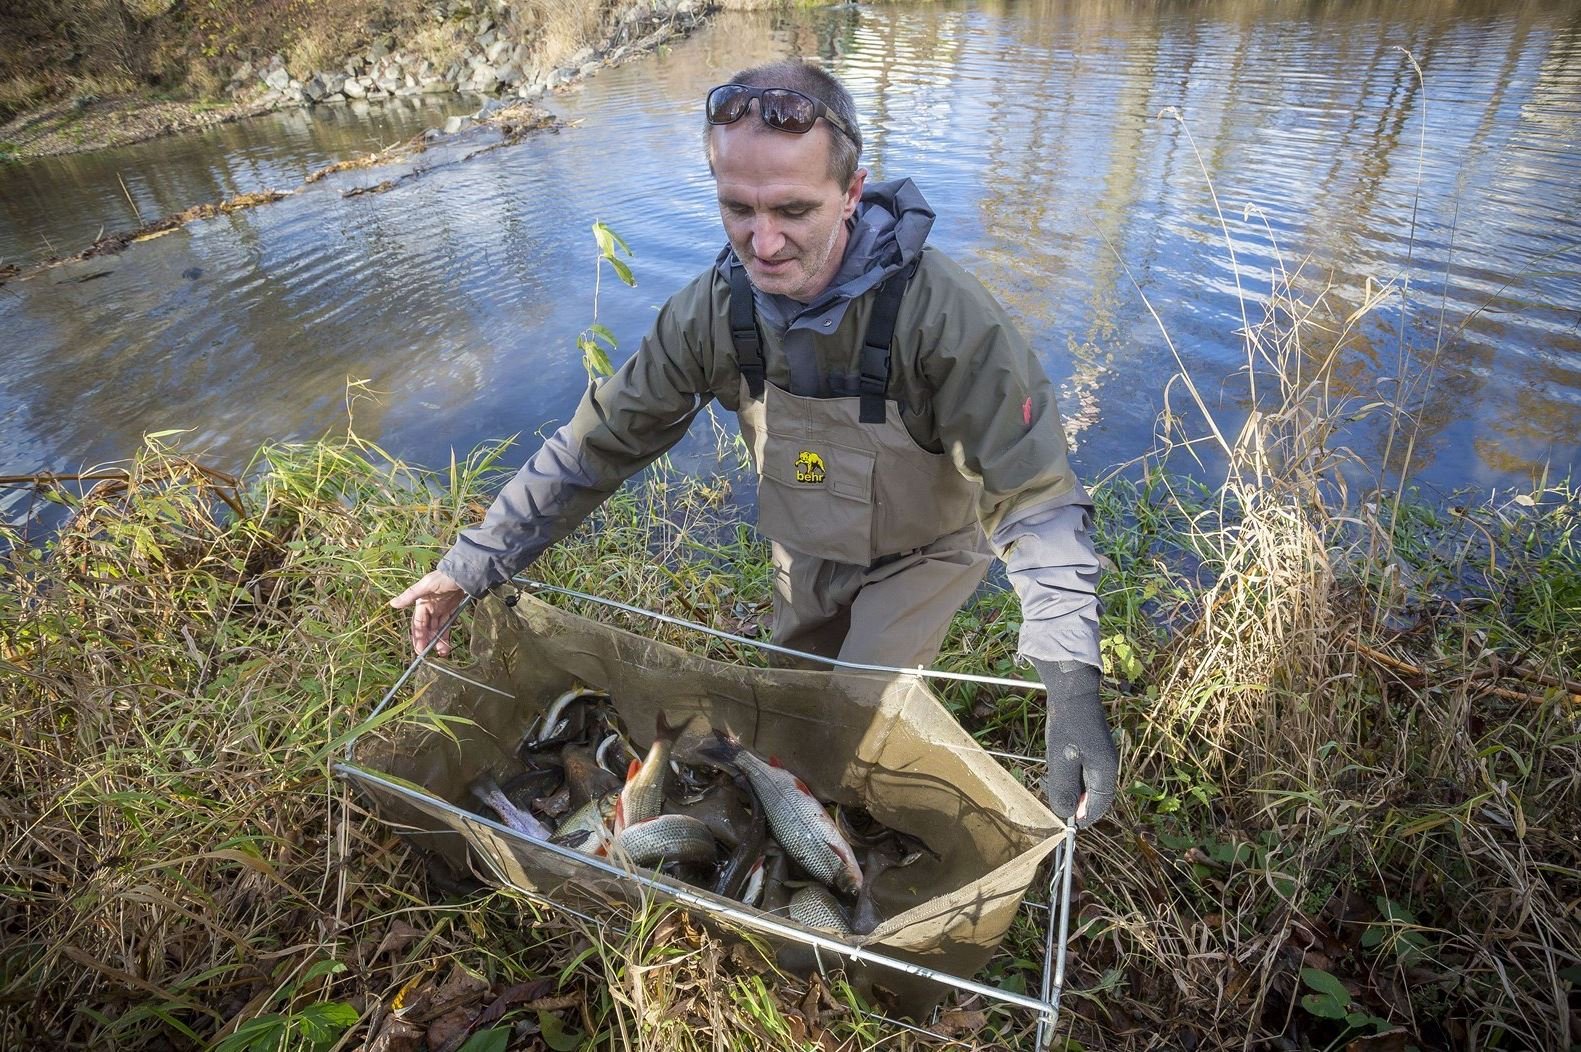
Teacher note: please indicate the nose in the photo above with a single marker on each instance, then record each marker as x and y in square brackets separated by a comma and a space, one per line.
[767, 238]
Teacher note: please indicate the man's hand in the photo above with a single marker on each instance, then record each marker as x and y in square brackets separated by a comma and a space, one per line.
[1083, 765]
[433, 600]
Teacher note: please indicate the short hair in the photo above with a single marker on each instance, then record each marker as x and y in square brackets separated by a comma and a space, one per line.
[844, 151]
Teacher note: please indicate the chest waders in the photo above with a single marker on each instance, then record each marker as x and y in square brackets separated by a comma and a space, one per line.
[876, 542]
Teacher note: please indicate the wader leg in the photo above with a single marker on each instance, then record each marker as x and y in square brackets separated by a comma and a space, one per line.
[902, 613]
[812, 605]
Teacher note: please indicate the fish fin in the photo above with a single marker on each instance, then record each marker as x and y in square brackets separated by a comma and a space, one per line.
[723, 749]
[803, 786]
[664, 730]
[632, 769]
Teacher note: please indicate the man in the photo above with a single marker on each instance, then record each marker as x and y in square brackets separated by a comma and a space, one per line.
[902, 430]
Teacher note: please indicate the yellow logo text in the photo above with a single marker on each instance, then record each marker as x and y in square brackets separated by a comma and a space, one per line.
[809, 467]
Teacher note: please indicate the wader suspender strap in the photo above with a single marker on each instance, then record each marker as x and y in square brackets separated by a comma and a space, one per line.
[875, 349]
[744, 331]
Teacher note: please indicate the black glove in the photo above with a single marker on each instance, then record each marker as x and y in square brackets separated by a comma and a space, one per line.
[1081, 754]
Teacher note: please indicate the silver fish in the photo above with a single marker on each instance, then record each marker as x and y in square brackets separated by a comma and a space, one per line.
[797, 818]
[752, 890]
[666, 838]
[591, 819]
[556, 722]
[747, 851]
[486, 789]
[814, 907]
[643, 795]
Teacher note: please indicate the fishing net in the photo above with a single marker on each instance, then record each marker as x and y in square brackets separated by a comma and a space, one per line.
[877, 741]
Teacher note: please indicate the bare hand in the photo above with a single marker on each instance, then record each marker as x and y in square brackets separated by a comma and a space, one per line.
[433, 600]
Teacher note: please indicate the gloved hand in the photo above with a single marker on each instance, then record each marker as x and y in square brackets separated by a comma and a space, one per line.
[1082, 761]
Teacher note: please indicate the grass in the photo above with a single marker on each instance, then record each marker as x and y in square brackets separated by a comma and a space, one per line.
[1311, 792]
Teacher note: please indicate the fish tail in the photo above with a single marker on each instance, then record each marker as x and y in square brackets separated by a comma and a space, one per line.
[664, 730]
[724, 749]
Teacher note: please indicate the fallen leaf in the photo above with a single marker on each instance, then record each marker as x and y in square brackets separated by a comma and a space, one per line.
[397, 938]
[450, 1029]
[521, 993]
[957, 1022]
[395, 1035]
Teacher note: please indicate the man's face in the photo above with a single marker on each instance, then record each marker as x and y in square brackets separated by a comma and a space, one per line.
[784, 215]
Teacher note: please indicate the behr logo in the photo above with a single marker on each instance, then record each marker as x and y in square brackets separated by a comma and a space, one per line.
[809, 467]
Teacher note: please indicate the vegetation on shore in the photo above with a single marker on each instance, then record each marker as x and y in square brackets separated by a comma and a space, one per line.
[84, 74]
[1349, 738]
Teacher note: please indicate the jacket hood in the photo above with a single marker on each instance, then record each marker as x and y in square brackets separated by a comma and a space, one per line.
[887, 232]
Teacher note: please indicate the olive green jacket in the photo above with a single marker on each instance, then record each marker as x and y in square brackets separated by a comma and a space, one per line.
[967, 383]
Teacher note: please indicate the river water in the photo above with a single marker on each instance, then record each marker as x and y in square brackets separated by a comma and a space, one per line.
[1069, 149]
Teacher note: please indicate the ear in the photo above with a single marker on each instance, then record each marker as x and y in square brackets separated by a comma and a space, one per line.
[853, 193]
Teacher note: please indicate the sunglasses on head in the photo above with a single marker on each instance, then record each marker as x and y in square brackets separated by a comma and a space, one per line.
[781, 108]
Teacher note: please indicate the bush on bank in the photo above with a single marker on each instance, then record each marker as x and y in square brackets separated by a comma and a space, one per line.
[1349, 744]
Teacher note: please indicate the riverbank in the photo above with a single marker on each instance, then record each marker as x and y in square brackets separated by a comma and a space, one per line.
[327, 59]
[1349, 736]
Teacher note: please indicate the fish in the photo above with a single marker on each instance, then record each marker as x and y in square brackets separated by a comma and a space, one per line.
[798, 820]
[880, 859]
[585, 777]
[642, 797]
[606, 748]
[664, 838]
[486, 789]
[813, 906]
[556, 723]
[591, 821]
[747, 851]
[775, 894]
[757, 879]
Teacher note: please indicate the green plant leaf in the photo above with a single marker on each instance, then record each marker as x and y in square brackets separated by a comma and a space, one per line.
[494, 1039]
[1324, 983]
[555, 1035]
[1323, 1006]
[622, 271]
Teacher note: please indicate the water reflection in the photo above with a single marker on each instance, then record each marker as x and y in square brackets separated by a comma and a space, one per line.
[1034, 130]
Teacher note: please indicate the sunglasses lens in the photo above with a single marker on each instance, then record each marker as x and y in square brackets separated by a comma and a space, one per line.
[788, 110]
[727, 103]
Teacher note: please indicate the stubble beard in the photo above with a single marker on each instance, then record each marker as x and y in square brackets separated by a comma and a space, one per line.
[802, 273]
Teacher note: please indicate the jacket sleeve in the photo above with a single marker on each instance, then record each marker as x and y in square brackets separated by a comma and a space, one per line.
[997, 418]
[622, 425]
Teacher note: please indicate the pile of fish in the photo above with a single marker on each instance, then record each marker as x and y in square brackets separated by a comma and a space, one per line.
[735, 823]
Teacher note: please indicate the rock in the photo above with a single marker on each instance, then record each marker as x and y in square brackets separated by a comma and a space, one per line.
[387, 84]
[558, 77]
[455, 124]
[278, 79]
[453, 72]
[509, 75]
[244, 73]
[488, 39]
[580, 58]
[484, 79]
[410, 82]
[354, 88]
[433, 86]
[313, 90]
[495, 51]
[588, 69]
